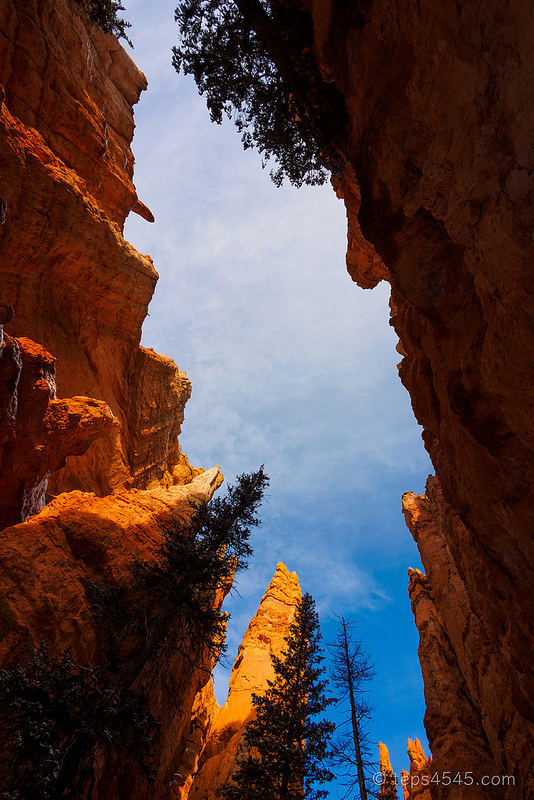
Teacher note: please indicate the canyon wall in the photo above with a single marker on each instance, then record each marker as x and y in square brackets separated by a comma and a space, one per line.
[85, 412]
[48, 567]
[439, 182]
[77, 287]
[438, 187]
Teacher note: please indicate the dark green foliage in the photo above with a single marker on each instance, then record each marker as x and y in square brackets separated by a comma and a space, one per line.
[388, 790]
[169, 604]
[103, 14]
[350, 671]
[253, 60]
[290, 747]
[56, 717]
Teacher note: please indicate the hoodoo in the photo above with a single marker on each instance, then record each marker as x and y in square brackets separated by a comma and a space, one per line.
[438, 164]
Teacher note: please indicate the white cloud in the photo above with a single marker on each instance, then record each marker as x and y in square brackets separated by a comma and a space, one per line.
[291, 364]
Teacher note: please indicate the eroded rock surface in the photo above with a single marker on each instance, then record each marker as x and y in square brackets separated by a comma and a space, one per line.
[77, 287]
[47, 565]
[439, 195]
[477, 716]
[417, 781]
[440, 98]
[252, 669]
[37, 430]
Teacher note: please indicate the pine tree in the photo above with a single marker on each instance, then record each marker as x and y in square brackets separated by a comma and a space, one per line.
[103, 14]
[170, 604]
[61, 720]
[288, 748]
[388, 789]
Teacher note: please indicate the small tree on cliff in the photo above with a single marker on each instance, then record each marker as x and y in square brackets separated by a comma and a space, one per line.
[253, 60]
[103, 14]
[58, 716]
[172, 603]
[287, 748]
[388, 789]
[350, 670]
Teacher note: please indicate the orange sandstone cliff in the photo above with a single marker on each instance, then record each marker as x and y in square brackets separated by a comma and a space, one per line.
[85, 412]
[46, 566]
[414, 784]
[439, 182]
[438, 187]
[76, 286]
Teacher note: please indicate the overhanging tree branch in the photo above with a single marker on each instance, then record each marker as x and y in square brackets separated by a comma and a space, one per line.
[253, 60]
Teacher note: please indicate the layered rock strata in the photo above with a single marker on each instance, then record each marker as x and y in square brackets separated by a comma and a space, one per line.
[74, 296]
[438, 188]
[77, 287]
[439, 181]
[264, 637]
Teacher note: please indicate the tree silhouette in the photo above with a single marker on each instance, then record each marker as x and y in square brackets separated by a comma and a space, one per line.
[253, 60]
[170, 603]
[350, 670]
[388, 789]
[60, 720]
[103, 14]
[56, 717]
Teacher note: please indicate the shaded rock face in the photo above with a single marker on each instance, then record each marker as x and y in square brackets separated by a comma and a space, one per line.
[438, 189]
[439, 182]
[37, 430]
[77, 287]
[264, 637]
[476, 690]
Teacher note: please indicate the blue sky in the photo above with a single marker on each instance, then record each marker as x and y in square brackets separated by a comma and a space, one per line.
[292, 366]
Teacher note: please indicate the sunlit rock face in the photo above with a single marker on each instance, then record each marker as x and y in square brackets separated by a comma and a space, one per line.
[76, 286]
[46, 566]
[416, 782]
[75, 386]
[438, 189]
[440, 100]
[265, 636]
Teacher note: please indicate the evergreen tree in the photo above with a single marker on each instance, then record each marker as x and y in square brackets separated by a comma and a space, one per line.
[253, 60]
[388, 789]
[288, 748]
[103, 14]
[170, 605]
[57, 717]
[61, 720]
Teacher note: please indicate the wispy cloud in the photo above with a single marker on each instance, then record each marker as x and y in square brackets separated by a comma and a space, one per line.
[292, 366]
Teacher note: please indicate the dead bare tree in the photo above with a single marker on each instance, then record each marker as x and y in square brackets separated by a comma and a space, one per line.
[350, 671]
